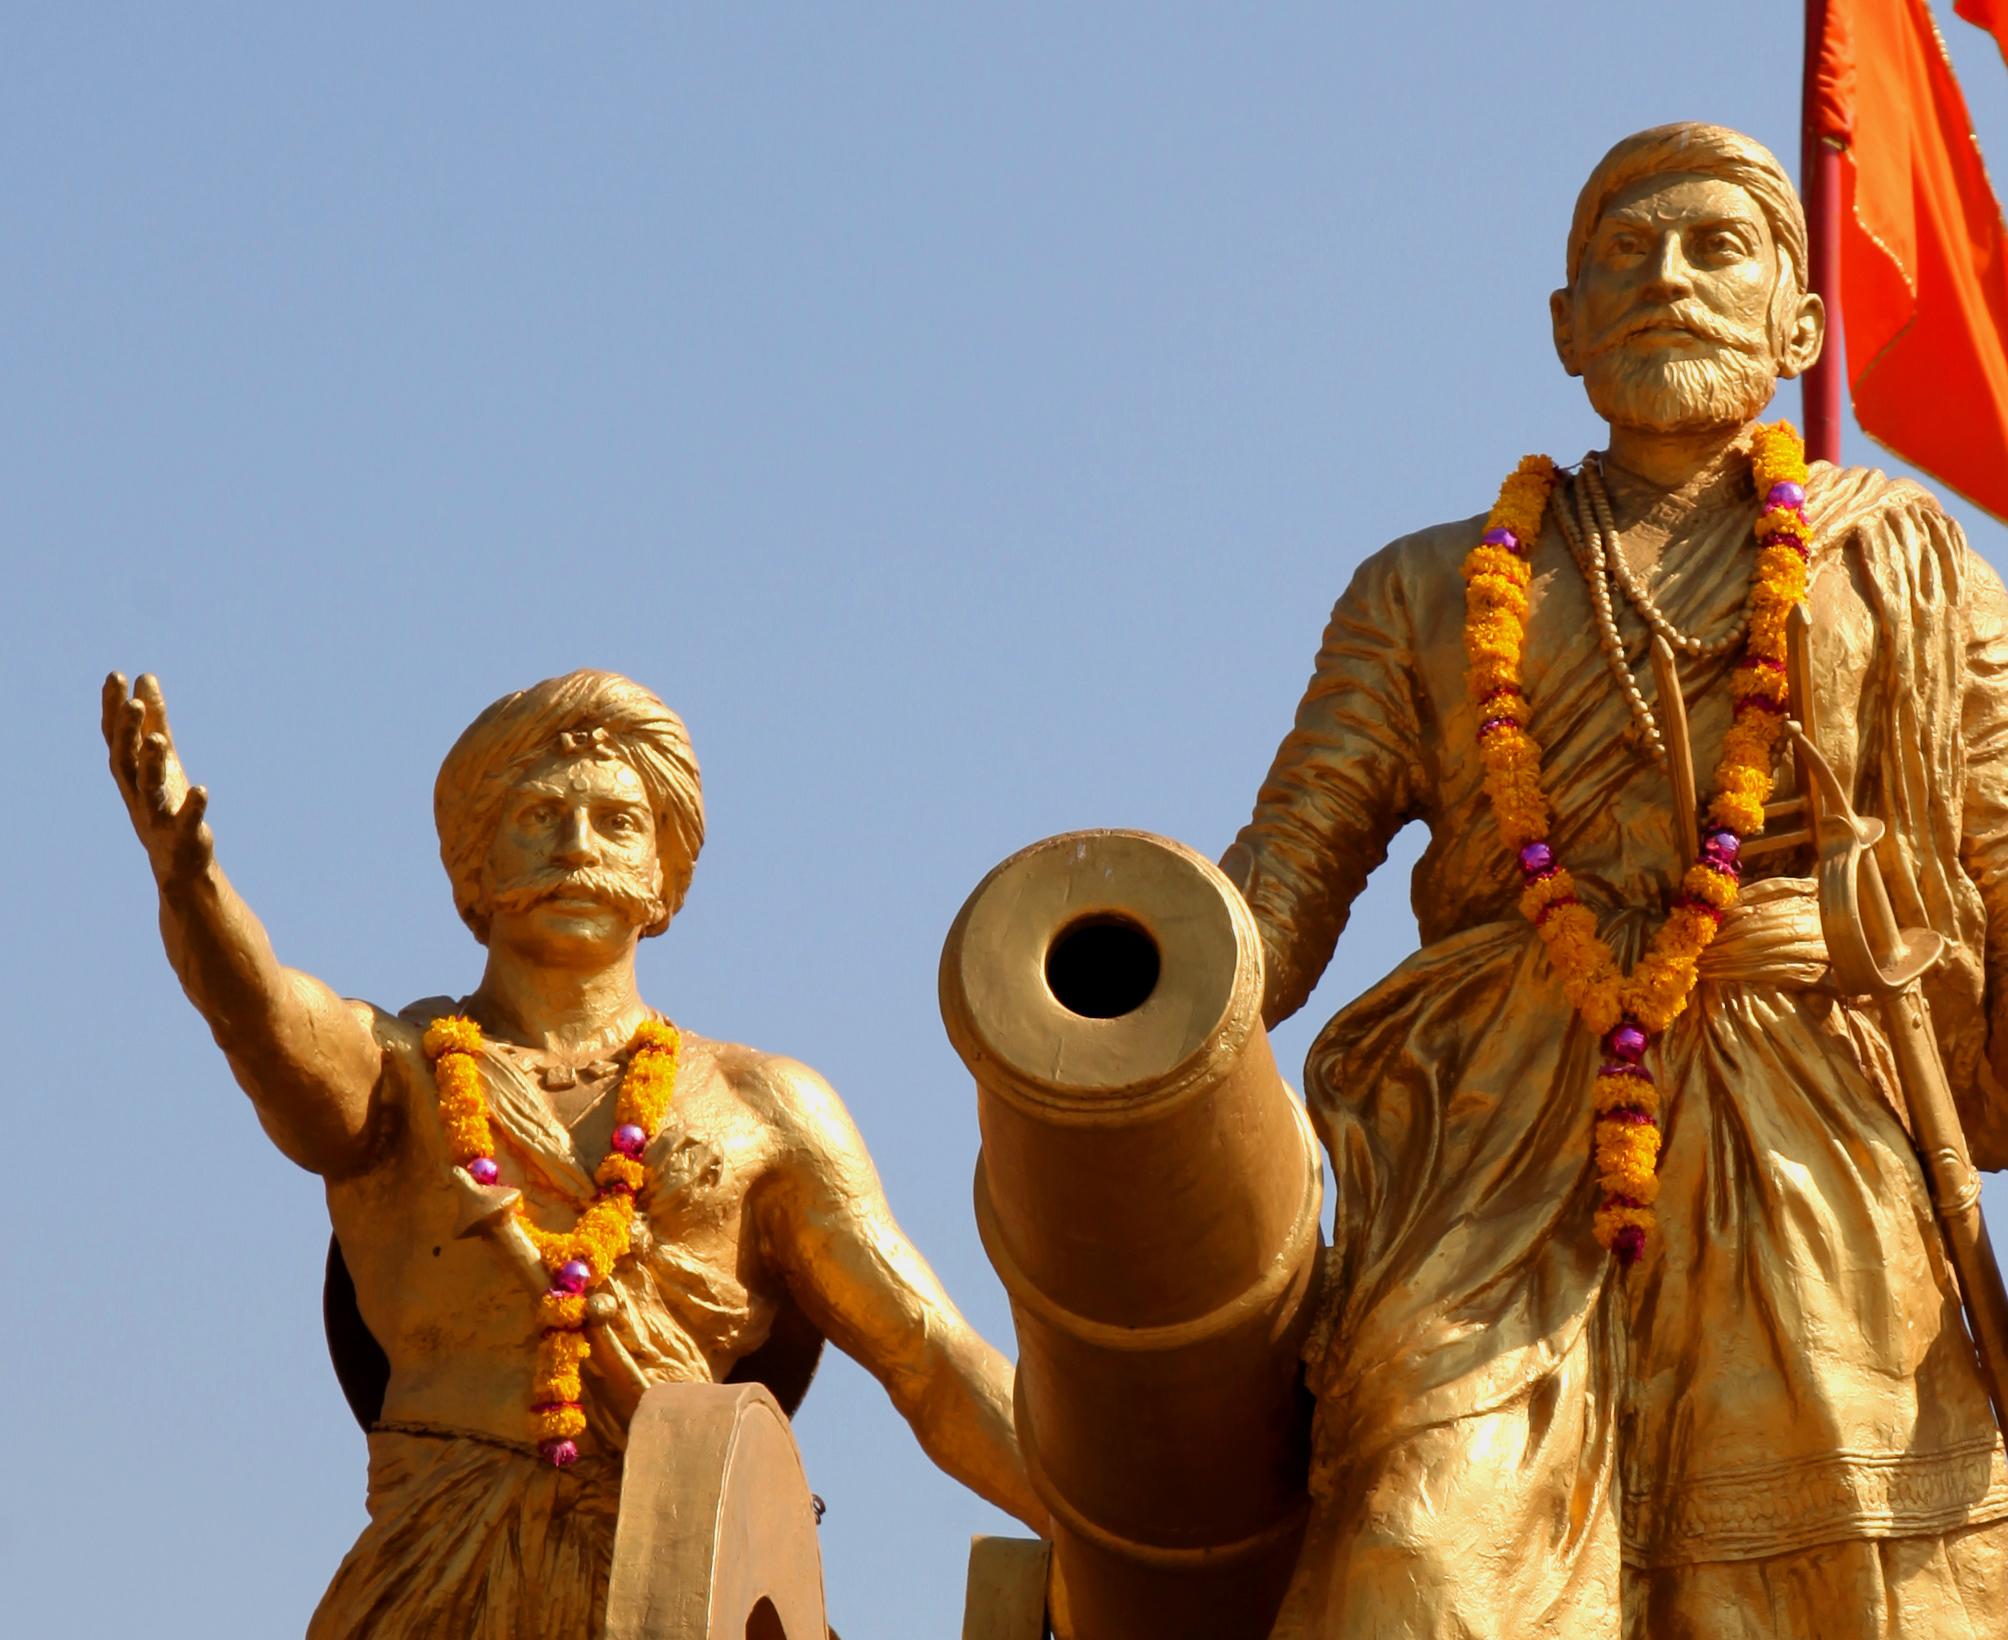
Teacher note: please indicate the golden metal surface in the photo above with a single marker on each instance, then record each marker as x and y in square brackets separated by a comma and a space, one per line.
[1792, 821]
[1776, 1425]
[1679, 750]
[1006, 1594]
[1149, 1193]
[490, 1211]
[717, 1534]
[569, 821]
[1885, 963]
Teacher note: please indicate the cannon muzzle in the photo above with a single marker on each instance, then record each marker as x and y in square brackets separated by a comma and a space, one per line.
[1149, 1193]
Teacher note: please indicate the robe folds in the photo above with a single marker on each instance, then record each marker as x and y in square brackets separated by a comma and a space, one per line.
[1773, 1425]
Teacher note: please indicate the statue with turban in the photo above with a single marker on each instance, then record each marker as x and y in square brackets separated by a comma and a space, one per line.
[570, 817]
[1770, 1421]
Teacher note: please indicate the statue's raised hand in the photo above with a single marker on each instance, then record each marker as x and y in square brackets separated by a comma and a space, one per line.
[311, 1061]
[166, 811]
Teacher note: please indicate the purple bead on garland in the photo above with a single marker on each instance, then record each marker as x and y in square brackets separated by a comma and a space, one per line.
[629, 1139]
[573, 1276]
[1627, 1042]
[560, 1454]
[1785, 494]
[482, 1170]
[1537, 860]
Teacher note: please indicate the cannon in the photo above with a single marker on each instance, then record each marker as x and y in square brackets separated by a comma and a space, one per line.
[1149, 1193]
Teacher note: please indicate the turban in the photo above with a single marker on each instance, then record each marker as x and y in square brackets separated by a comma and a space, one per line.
[499, 747]
[1702, 150]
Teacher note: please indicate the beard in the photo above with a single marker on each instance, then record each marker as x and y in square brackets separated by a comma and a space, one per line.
[1662, 393]
[629, 895]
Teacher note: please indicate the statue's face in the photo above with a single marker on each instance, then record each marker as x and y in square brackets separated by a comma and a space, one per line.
[1669, 318]
[572, 870]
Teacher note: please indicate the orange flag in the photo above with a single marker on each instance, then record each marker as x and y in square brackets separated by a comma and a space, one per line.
[1923, 251]
[1992, 15]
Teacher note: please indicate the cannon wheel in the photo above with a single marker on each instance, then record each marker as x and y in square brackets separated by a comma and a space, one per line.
[716, 1538]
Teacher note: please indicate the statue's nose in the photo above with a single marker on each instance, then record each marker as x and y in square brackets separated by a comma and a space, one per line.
[1667, 270]
[575, 845]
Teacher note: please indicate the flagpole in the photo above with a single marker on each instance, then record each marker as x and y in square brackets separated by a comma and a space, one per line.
[1820, 186]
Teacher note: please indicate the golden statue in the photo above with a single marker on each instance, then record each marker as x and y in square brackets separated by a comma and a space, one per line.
[1773, 1422]
[673, 1196]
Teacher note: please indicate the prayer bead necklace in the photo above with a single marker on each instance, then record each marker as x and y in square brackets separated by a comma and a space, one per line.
[1586, 546]
[1594, 542]
[1592, 480]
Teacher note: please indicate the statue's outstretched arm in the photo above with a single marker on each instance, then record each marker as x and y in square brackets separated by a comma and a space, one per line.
[310, 1060]
[824, 1220]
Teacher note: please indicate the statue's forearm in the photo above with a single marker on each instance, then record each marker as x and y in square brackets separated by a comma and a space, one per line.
[862, 1282]
[222, 956]
[306, 1059]
[964, 1423]
[948, 1383]
[825, 1222]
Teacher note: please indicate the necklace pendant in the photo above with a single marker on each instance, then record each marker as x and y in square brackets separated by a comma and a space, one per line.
[557, 1078]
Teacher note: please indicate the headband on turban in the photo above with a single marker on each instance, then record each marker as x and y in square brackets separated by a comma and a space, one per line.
[501, 745]
[1703, 150]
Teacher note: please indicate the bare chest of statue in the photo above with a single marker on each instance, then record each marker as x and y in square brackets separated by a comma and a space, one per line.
[458, 1327]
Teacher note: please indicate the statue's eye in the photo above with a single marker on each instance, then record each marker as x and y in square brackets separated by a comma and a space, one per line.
[619, 823]
[540, 814]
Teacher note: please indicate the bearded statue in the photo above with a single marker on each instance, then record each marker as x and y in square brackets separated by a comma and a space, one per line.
[1636, 1318]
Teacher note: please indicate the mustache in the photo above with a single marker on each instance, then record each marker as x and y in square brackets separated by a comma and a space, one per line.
[1696, 321]
[628, 895]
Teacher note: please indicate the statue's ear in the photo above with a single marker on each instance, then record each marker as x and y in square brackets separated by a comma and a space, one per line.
[1561, 314]
[1804, 338]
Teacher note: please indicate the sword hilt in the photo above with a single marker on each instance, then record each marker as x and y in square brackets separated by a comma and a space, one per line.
[1870, 952]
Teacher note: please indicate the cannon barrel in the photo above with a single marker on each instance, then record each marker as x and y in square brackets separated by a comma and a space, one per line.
[1149, 1193]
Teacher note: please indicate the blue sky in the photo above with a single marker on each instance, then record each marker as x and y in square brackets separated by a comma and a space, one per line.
[965, 417]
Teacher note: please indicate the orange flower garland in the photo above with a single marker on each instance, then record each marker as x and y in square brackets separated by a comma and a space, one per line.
[582, 1258]
[1630, 1011]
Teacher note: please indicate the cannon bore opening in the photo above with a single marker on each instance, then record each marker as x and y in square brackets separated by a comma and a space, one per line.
[1102, 966]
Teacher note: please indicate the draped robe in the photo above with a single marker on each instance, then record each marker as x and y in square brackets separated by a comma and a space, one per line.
[1774, 1424]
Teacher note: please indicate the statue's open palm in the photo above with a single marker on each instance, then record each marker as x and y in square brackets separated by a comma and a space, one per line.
[166, 811]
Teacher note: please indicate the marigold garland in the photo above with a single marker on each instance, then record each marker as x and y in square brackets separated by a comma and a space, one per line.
[582, 1258]
[1630, 1011]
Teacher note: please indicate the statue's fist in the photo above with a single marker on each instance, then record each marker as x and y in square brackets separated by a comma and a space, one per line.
[166, 811]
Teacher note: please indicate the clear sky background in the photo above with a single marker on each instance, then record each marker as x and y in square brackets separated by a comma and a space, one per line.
[965, 417]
